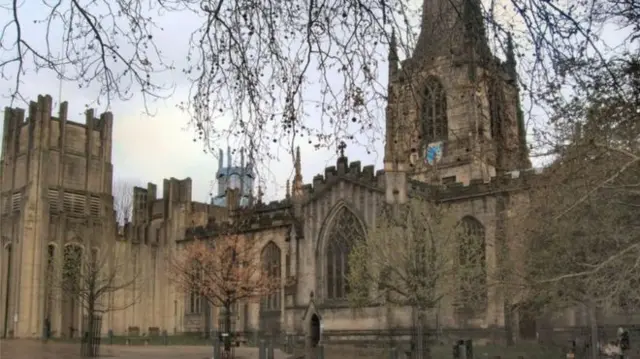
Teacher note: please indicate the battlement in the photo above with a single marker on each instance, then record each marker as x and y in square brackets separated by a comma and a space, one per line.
[41, 128]
[369, 177]
[244, 220]
[78, 155]
[514, 180]
[147, 205]
[343, 169]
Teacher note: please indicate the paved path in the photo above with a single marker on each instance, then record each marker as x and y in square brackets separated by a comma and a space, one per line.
[34, 349]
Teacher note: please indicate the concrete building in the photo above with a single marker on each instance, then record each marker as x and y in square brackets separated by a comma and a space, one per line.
[454, 129]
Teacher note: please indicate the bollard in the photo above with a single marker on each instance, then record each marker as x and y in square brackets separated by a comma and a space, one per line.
[262, 351]
[462, 351]
[393, 353]
[290, 343]
[216, 348]
[456, 351]
[270, 349]
[110, 335]
[320, 351]
[468, 344]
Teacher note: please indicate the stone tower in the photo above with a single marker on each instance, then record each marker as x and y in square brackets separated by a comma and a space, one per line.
[56, 186]
[453, 109]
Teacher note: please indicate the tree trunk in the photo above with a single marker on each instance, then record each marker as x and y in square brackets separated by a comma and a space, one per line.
[227, 328]
[593, 322]
[508, 322]
[423, 344]
[207, 319]
[88, 341]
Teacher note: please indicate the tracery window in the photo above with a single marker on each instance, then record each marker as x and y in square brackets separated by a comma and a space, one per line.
[72, 266]
[195, 297]
[434, 112]
[195, 303]
[473, 295]
[271, 262]
[345, 230]
[496, 108]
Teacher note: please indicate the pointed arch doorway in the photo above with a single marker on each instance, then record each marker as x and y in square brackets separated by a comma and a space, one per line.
[315, 329]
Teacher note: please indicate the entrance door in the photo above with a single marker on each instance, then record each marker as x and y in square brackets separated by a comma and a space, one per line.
[527, 322]
[315, 331]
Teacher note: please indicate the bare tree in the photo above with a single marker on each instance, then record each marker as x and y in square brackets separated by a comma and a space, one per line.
[419, 255]
[263, 62]
[583, 242]
[96, 278]
[224, 267]
[123, 200]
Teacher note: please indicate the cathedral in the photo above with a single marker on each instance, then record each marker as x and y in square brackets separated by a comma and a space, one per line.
[454, 129]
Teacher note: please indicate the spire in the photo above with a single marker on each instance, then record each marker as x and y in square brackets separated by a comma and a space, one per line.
[443, 23]
[220, 160]
[297, 179]
[297, 163]
[260, 194]
[391, 101]
[288, 190]
[511, 56]
[393, 46]
[228, 156]
[393, 55]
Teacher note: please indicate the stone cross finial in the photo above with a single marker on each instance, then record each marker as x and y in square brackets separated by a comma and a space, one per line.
[341, 148]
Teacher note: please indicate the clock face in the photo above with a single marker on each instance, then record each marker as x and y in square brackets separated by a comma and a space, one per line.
[433, 153]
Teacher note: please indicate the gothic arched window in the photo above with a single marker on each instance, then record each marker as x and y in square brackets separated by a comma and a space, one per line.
[496, 111]
[434, 112]
[271, 262]
[344, 231]
[473, 293]
[195, 296]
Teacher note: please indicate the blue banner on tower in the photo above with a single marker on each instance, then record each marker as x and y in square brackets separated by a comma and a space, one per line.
[433, 153]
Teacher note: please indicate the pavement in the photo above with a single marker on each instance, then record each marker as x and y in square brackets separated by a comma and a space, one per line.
[35, 349]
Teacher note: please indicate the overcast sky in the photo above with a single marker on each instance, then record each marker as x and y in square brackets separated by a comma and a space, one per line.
[149, 149]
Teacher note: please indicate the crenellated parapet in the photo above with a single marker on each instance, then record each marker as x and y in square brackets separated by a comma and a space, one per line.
[152, 214]
[368, 177]
[56, 131]
[255, 218]
[351, 171]
[510, 181]
[147, 206]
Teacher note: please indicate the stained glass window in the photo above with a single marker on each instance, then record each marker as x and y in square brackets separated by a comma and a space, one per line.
[344, 231]
[271, 261]
[473, 268]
